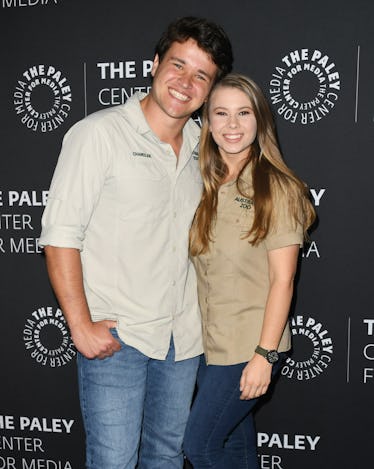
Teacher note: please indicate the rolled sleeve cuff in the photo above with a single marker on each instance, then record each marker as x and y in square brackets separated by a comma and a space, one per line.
[61, 225]
[283, 240]
[61, 237]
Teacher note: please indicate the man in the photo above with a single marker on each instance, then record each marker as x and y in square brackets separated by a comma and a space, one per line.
[115, 232]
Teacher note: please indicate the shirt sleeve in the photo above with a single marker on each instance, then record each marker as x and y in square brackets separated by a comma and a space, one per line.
[76, 185]
[285, 231]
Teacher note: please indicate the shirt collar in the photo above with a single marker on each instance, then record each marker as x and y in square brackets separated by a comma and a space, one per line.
[245, 178]
[134, 115]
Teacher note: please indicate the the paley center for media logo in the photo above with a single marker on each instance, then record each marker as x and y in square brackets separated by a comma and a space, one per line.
[42, 98]
[305, 86]
[47, 338]
[312, 349]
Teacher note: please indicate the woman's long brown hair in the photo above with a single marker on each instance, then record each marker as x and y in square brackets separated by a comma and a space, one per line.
[270, 174]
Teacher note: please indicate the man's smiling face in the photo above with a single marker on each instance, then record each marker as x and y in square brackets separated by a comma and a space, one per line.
[182, 80]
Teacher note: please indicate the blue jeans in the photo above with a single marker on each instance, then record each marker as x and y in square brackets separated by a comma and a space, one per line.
[135, 409]
[220, 432]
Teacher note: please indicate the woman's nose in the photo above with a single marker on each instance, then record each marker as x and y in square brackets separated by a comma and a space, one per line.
[233, 122]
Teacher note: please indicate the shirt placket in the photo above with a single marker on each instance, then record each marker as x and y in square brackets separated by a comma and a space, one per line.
[171, 166]
[209, 270]
[206, 273]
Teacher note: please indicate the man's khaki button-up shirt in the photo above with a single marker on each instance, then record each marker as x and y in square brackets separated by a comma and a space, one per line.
[119, 196]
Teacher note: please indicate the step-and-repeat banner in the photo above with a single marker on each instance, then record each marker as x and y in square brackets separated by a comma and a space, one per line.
[64, 59]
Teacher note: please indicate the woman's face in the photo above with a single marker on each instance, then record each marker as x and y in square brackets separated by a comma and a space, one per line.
[232, 123]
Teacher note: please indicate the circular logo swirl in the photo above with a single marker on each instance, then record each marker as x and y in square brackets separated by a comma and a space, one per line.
[47, 339]
[305, 88]
[312, 349]
[42, 98]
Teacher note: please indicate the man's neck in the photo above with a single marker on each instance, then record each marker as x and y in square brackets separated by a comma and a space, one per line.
[167, 128]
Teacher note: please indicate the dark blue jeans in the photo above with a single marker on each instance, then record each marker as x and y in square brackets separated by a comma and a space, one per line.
[220, 432]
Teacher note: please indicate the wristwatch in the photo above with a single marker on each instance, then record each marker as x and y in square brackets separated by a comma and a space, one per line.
[271, 356]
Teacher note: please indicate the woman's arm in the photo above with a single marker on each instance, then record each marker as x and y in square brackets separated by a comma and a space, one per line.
[256, 375]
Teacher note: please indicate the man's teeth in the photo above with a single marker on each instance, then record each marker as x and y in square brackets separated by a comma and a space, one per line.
[179, 96]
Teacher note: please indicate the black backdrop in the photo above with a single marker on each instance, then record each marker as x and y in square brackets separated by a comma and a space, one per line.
[62, 59]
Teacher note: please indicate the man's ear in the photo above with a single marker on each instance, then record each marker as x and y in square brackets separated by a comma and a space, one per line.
[156, 62]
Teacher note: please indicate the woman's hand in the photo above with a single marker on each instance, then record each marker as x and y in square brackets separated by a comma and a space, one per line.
[255, 378]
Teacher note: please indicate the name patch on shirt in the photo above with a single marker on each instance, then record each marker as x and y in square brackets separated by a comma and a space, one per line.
[244, 202]
[143, 155]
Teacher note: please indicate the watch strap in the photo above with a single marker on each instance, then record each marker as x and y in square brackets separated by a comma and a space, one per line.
[261, 351]
[271, 356]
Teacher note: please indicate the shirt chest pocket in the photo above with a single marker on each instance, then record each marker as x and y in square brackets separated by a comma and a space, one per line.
[230, 234]
[245, 222]
[237, 217]
[144, 190]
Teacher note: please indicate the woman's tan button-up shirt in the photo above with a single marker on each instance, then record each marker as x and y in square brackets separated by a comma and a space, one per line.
[233, 276]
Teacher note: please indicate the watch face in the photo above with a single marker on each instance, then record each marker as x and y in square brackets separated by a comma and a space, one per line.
[272, 356]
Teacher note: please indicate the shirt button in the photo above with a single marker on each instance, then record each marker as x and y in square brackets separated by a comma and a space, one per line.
[174, 283]
[175, 214]
[174, 248]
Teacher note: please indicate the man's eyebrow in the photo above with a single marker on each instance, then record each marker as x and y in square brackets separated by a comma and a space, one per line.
[183, 62]
[177, 59]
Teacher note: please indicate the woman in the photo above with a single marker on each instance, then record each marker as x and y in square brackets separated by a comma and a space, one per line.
[244, 242]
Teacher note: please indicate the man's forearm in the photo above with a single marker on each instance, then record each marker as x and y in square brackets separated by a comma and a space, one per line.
[65, 273]
[93, 340]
